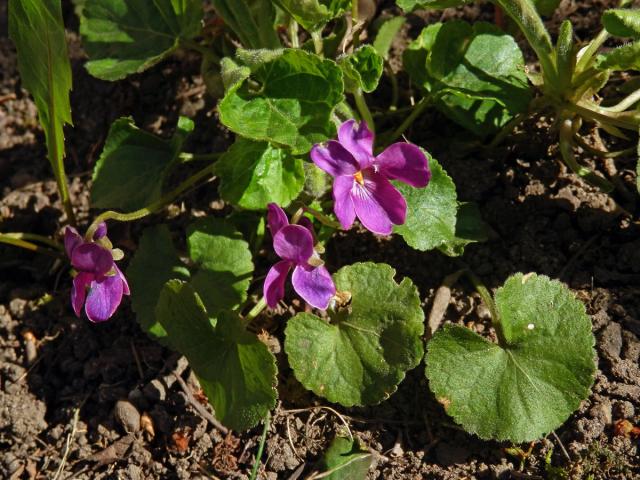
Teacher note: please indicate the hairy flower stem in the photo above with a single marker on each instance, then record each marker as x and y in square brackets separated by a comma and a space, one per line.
[255, 311]
[625, 103]
[316, 36]
[293, 33]
[487, 298]
[12, 239]
[263, 438]
[363, 108]
[587, 55]
[354, 20]
[153, 207]
[186, 157]
[322, 218]
[415, 113]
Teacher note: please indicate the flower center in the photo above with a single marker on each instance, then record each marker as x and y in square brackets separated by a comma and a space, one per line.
[359, 177]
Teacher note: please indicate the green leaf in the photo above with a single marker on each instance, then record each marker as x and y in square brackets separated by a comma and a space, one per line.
[638, 167]
[314, 14]
[154, 263]
[360, 355]
[546, 7]
[36, 28]
[387, 32]
[362, 69]
[346, 460]
[469, 229]
[622, 22]
[528, 386]
[251, 20]
[133, 165]
[253, 174]
[123, 37]
[411, 5]
[475, 72]
[224, 260]
[431, 211]
[625, 57]
[287, 101]
[235, 369]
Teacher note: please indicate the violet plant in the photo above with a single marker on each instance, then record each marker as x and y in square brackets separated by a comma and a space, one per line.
[296, 103]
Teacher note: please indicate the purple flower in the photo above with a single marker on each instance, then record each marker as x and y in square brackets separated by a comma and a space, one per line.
[294, 245]
[361, 184]
[96, 272]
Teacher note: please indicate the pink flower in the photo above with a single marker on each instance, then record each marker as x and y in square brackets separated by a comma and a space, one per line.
[97, 273]
[294, 245]
[361, 184]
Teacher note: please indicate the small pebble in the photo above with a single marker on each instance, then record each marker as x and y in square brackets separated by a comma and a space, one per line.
[127, 416]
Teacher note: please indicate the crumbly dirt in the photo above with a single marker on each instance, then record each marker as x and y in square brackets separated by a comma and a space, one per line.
[87, 401]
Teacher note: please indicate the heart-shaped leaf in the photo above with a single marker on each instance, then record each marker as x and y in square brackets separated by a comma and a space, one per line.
[154, 263]
[253, 174]
[133, 165]
[361, 354]
[475, 72]
[128, 36]
[528, 385]
[314, 14]
[251, 20]
[362, 69]
[288, 100]
[346, 459]
[235, 369]
[224, 260]
[434, 217]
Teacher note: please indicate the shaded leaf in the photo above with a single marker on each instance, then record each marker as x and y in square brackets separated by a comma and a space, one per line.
[123, 37]
[362, 69]
[314, 14]
[154, 263]
[287, 101]
[251, 20]
[410, 5]
[36, 28]
[224, 261]
[625, 57]
[133, 165]
[361, 355]
[528, 386]
[235, 369]
[253, 174]
[387, 32]
[470, 228]
[622, 22]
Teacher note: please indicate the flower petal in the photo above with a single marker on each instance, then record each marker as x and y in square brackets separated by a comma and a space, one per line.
[273, 289]
[71, 240]
[293, 243]
[378, 204]
[276, 218]
[358, 140]
[91, 257]
[405, 162]
[308, 224]
[125, 284]
[314, 285]
[101, 231]
[342, 202]
[79, 291]
[104, 298]
[334, 159]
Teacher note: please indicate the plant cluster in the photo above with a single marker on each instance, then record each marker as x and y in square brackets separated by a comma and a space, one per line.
[292, 79]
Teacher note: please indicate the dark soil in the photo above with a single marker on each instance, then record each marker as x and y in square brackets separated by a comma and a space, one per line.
[84, 401]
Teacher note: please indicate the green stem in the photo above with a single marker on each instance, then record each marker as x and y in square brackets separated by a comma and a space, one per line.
[322, 218]
[316, 36]
[263, 439]
[153, 207]
[507, 129]
[487, 298]
[603, 153]
[36, 238]
[17, 242]
[625, 103]
[628, 120]
[415, 113]
[363, 108]
[354, 20]
[255, 311]
[293, 33]
[587, 55]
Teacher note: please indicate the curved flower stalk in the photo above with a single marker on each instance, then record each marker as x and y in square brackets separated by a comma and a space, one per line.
[361, 186]
[294, 245]
[98, 284]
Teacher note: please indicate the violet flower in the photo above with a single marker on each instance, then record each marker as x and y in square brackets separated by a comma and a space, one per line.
[361, 184]
[294, 245]
[96, 272]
